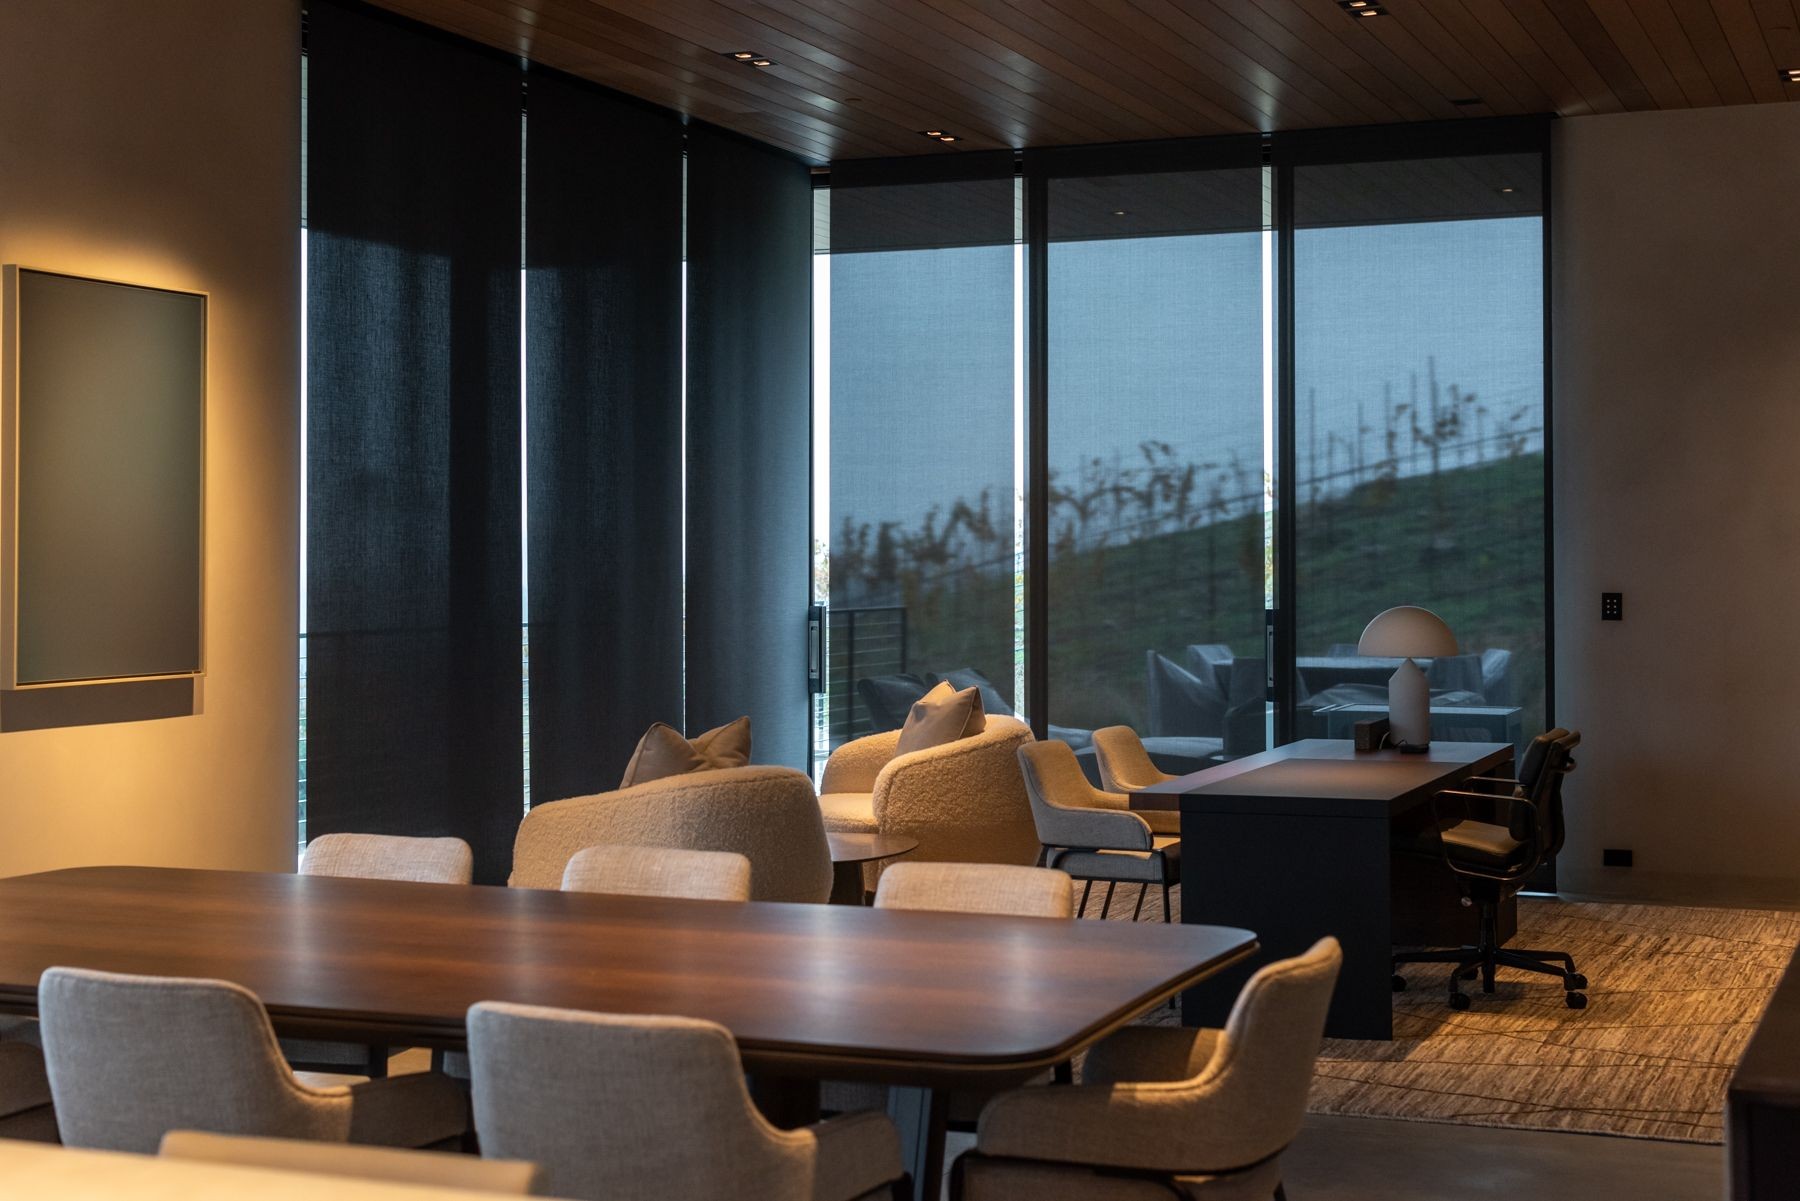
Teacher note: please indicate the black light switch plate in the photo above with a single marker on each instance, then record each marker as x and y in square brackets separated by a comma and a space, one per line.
[1612, 606]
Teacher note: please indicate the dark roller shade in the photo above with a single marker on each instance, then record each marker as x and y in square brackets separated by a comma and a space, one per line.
[413, 613]
[603, 344]
[749, 454]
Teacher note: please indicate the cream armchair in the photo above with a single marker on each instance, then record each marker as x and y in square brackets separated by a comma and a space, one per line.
[1167, 1112]
[769, 815]
[964, 800]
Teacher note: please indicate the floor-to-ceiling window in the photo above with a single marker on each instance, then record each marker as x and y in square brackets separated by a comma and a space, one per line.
[1155, 410]
[1281, 389]
[920, 529]
[1418, 293]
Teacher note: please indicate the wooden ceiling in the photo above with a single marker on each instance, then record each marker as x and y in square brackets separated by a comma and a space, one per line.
[862, 78]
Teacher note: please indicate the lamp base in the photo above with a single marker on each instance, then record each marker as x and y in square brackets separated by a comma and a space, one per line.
[1409, 709]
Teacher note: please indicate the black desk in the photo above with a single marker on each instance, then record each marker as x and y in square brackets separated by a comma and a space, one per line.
[1762, 1104]
[1297, 842]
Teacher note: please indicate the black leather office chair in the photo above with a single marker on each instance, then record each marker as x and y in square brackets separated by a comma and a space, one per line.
[1493, 856]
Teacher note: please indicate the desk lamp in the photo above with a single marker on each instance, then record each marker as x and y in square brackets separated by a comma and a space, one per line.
[1404, 632]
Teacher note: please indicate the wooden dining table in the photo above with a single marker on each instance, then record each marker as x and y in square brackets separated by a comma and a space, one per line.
[925, 1002]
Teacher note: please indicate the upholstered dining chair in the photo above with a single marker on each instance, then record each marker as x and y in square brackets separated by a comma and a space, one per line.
[1004, 888]
[1125, 767]
[373, 857]
[1167, 1112]
[507, 1177]
[659, 872]
[769, 815]
[389, 857]
[617, 1108]
[962, 800]
[1093, 835]
[131, 1058]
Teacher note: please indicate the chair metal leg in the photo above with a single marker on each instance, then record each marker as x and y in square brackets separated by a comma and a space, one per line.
[1043, 854]
[1085, 889]
[1106, 905]
[1139, 907]
[1165, 904]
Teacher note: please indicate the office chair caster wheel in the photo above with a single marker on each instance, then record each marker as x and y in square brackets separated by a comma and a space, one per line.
[1458, 1002]
[1575, 1000]
[1399, 982]
[1575, 982]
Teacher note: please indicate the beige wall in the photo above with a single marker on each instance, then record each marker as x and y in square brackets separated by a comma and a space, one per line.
[157, 142]
[1677, 482]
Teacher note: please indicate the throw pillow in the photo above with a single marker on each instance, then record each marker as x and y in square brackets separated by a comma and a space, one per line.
[662, 751]
[942, 715]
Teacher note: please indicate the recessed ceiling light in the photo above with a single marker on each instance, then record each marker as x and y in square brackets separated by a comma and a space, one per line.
[749, 56]
[938, 135]
[743, 56]
[1507, 191]
[947, 137]
[762, 62]
[934, 133]
[1791, 74]
[1119, 212]
[1362, 8]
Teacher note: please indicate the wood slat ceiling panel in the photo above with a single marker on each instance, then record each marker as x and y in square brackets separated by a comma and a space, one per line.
[862, 78]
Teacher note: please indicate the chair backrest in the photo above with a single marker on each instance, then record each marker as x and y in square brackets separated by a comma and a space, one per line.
[625, 1107]
[389, 857]
[769, 815]
[507, 1177]
[131, 1058]
[977, 888]
[1547, 760]
[659, 872]
[1068, 811]
[1262, 1069]
[1125, 766]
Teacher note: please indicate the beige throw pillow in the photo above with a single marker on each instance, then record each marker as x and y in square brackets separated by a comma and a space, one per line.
[662, 751]
[941, 715]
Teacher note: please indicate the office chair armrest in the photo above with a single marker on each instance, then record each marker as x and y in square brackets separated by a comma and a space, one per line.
[1508, 803]
[1498, 782]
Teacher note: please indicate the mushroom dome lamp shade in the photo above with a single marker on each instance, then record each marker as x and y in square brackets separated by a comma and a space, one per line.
[1407, 632]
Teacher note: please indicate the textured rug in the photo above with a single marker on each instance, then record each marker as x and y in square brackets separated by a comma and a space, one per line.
[1674, 995]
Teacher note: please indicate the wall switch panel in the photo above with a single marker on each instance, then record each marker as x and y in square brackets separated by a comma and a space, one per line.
[1612, 606]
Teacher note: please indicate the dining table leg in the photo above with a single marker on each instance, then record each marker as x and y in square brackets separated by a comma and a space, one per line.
[922, 1117]
[789, 1102]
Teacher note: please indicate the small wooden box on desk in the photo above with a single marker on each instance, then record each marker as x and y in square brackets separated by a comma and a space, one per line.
[1310, 839]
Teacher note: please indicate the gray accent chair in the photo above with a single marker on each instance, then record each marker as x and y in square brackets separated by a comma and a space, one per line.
[131, 1058]
[505, 1177]
[1093, 835]
[618, 1108]
[659, 872]
[1165, 1112]
[373, 857]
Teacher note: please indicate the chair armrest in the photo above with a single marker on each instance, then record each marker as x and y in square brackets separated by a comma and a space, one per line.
[1170, 1127]
[1094, 829]
[857, 1154]
[854, 766]
[1507, 803]
[1149, 1053]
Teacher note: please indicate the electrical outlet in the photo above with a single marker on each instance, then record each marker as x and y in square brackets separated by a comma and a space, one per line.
[1615, 857]
[1612, 606]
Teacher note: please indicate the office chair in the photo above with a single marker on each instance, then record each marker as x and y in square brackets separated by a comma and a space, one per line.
[1492, 859]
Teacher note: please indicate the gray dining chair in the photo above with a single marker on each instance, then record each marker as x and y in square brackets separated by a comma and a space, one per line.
[634, 1108]
[391, 1165]
[1093, 835]
[373, 857]
[659, 872]
[131, 1058]
[1166, 1111]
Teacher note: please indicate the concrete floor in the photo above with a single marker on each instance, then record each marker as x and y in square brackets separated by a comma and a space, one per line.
[1370, 1159]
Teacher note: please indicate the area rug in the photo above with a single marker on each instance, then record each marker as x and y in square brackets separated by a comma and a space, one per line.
[1673, 997]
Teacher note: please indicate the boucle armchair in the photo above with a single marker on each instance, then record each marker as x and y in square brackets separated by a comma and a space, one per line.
[1167, 1112]
[131, 1058]
[769, 815]
[964, 800]
[636, 1108]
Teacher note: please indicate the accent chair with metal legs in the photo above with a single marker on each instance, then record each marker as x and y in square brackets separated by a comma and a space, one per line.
[1093, 835]
[1493, 855]
[1167, 1112]
[1125, 766]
